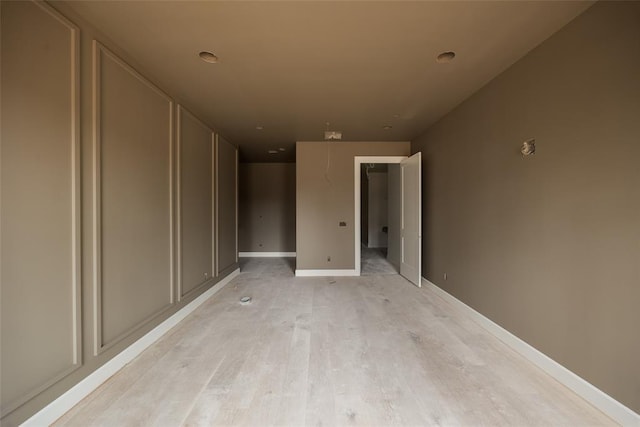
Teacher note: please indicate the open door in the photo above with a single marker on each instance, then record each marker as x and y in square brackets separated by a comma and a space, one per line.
[411, 226]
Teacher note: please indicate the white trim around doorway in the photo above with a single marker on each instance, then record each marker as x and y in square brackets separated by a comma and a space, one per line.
[357, 162]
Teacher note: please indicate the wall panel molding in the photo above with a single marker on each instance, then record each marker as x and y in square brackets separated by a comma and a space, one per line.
[100, 54]
[181, 293]
[216, 243]
[74, 219]
[224, 160]
[214, 203]
[52, 412]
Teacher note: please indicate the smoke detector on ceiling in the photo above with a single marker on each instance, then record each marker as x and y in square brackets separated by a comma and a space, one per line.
[332, 135]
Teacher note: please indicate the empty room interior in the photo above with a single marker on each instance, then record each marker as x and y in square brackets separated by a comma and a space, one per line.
[320, 213]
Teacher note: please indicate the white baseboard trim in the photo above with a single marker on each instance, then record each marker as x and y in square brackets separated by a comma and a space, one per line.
[267, 254]
[50, 413]
[325, 273]
[605, 403]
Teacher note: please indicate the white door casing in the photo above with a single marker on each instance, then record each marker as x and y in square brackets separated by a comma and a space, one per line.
[358, 161]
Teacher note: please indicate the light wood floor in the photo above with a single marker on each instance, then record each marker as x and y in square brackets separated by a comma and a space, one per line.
[374, 262]
[329, 351]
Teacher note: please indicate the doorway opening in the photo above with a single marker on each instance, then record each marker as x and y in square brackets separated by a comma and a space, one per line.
[379, 219]
[376, 239]
[410, 229]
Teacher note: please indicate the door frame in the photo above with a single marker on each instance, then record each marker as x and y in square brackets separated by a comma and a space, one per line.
[357, 164]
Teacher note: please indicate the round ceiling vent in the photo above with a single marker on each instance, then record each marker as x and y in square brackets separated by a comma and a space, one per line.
[208, 57]
[445, 57]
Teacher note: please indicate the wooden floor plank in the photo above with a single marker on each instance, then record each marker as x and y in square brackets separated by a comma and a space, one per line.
[352, 351]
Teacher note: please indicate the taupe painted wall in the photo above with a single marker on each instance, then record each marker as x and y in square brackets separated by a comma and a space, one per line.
[90, 202]
[39, 205]
[549, 246]
[324, 197]
[267, 207]
[196, 183]
[227, 206]
[134, 199]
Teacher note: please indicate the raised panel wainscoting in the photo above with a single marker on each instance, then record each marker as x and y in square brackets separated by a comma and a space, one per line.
[40, 206]
[195, 217]
[133, 196]
[108, 210]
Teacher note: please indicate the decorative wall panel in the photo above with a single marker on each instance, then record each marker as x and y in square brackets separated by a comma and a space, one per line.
[195, 166]
[40, 201]
[227, 172]
[133, 206]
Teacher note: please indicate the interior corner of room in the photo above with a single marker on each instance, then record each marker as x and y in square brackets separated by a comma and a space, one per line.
[135, 182]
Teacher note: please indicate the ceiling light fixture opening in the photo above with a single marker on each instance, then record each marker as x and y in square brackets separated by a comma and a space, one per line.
[333, 135]
[272, 151]
[259, 127]
[208, 57]
[445, 57]
[280, 149]
[387, 127]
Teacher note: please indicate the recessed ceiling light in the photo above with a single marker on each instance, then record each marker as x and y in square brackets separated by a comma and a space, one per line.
[272, 151]
[208, 57]
[445, 57]
[387, 127]
[395, 116]
[280, 149]
[259, 127]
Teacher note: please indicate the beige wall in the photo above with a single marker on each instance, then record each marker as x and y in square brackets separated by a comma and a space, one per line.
[106, 231]
[134, 199]
[39, 202]
[267, 207]
[324, 198]
[227, 205]
[549, 246]
[196, 215]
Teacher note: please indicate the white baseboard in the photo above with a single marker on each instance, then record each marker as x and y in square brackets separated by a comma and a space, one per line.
[267, 254]
[57, 408]
[605, 403]
[324, 273]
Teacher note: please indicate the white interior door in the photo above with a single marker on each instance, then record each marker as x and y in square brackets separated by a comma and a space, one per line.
[411, 226]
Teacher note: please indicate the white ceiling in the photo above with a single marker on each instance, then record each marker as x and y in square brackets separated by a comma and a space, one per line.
[293, 66]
